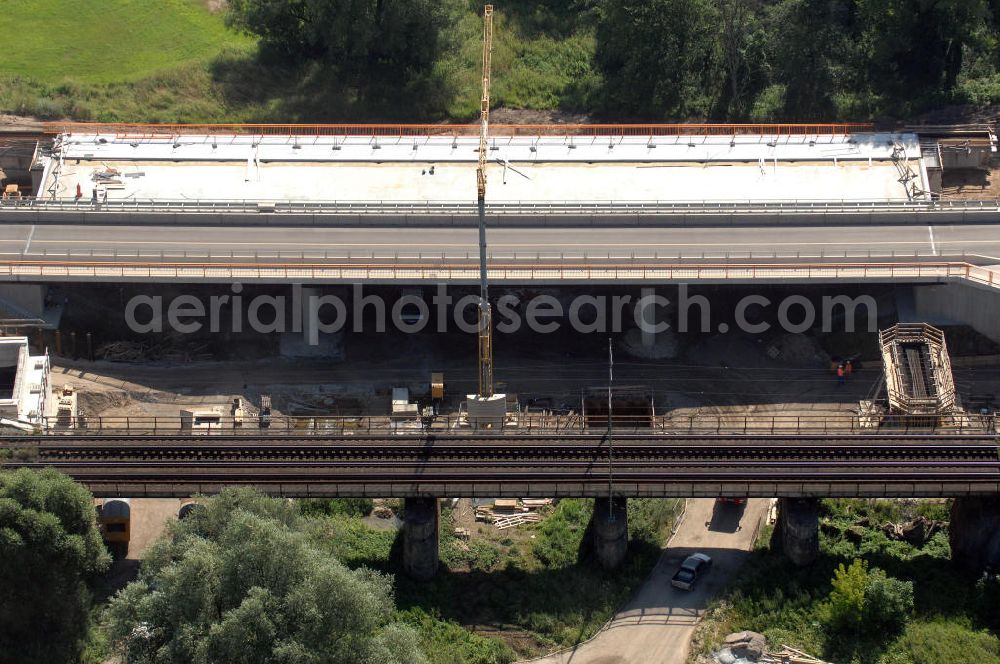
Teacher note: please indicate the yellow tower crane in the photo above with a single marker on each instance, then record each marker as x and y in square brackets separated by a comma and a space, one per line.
[485, 314]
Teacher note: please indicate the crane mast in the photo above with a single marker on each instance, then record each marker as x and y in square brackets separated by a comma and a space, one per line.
[485, 314]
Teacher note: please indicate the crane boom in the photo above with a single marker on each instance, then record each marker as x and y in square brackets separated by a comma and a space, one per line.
[484, 102]
[485, 314]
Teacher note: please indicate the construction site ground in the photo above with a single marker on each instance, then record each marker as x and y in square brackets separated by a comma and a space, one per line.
[972, 183]
[741, 381]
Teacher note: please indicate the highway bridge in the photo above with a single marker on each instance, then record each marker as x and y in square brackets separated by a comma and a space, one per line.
[431, 464]
[30, 252]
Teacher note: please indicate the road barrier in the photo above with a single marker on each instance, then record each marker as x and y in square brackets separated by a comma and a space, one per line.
[133, 130]
[512, 214]
[224, 268]
[530, 424]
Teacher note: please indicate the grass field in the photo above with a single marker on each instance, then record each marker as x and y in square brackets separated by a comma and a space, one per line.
[176, 61]
[50, 41]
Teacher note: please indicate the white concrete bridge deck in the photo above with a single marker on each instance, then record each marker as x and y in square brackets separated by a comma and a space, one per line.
[135, 166]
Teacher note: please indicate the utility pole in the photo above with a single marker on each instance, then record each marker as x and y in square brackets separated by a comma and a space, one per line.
[611, 377]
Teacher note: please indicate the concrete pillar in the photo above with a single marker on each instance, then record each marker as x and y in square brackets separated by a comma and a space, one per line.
[420, 537]
[798, 529]
[610, 531]
[974, 532]
[648, 316]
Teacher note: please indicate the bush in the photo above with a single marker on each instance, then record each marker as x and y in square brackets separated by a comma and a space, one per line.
[449, 643]
[560, 536]
[847, 599]
[865, 603]
[939, 642]
[987, 600]
[336, 506]
[888, 602]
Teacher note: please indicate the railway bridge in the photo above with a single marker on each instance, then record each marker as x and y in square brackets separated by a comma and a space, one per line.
[420, 465]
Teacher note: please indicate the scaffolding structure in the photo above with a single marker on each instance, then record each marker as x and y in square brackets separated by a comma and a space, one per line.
[918, 373]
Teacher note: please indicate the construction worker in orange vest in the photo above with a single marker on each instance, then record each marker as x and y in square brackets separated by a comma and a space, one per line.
[848, 368]
[840, 374]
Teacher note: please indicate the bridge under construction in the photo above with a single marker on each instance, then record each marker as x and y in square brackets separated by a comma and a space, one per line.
[570, 205]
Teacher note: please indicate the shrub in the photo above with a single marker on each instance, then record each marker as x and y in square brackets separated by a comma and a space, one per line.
[336, 506]
[939, 642]
[888, 602]
[561, 535]
[867, 602]
[847, 599]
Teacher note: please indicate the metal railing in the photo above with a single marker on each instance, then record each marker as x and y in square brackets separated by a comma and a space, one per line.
[525, 424]
[505, 208]
[65, 266]
[152, 130]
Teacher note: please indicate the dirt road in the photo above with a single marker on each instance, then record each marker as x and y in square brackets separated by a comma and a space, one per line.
[657, 625]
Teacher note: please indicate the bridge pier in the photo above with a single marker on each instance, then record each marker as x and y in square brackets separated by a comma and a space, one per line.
[797, 530]
[610, 527]
[420, 537]
[974, 532]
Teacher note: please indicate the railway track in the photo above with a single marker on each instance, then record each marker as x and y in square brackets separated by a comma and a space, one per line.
[623, 452]
[504, 466]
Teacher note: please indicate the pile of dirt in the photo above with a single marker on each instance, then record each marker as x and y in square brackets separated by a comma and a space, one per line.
[729, 351]
[96, 403]
[798, 350]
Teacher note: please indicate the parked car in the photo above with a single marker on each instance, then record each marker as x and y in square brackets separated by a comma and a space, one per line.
[730, 500]
[693, 566]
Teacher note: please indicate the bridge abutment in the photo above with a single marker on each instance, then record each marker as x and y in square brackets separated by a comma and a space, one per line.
[610, 527]
[974, 532]
[421, 517]
[797, 530]
[966, 303]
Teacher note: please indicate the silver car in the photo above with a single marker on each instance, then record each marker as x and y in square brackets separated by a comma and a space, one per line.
[693, 566]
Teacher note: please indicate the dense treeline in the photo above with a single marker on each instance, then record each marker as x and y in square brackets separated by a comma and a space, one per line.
[419, 60]
[52, 556]
[656, 59]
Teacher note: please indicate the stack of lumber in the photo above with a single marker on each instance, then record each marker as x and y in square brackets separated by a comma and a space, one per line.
[509, 512]
[789, 655]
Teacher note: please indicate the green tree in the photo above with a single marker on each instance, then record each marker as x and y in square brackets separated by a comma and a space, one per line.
[660, 58]
[286, 26]
[368, 42]
[866, 602]
[742, 42]
[913, 49]
[888, 602]
[51, 551]
[805, 44]
[847, 599]
[239, 581]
